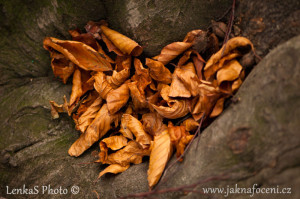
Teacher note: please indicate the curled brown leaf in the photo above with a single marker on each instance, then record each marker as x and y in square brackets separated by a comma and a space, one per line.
[114, 168]
[153, 123]
[79, 53]
[62, 67]
[76, 87]
[131, 153]
[135, 126]
[236, 46]
[158, 71]
[125, 44]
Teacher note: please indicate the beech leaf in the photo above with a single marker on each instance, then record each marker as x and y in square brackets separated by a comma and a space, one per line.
[136, 127]
[88, 116]
[76, 87]
[117, 98]
[114, 168]
[160, 154]
[115, 142]
[79, 53]
[97, 129]
[126, 45]
[101, 84]
[158, 71]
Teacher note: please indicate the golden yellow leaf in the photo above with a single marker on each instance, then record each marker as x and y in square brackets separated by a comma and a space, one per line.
[88, 116]
[160, 154]
[115, 142]
[114, 168]
[135, 126]
[79, 53]
[125, 44]
[158, 71]
[97, 129]
[101, 84]
[117, 98]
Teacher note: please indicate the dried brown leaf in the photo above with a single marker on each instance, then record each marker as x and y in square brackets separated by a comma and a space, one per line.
[125, 44]
[117, 98]
[190, 124]
[97, 129]
[55, 109]
[76, 87]
[131, 153]
[101, 84]
[114, 168]
[135, 126]
[141, 76]
[178, 88]
[115, 142]
[79, 53]
[236, 84]
[237, 46]
[158, 71]
[88, 116]
[218, 108]
[118, 78]
[171, 51]
[139, 100]
[160, 154]
[62, 68]
[153, 123]
[229, 72]
[175, 108]
[179, 138]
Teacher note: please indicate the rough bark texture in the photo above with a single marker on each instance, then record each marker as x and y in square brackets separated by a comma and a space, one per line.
[255, 140]
[260, 130]
[267, 23]
[154, 23]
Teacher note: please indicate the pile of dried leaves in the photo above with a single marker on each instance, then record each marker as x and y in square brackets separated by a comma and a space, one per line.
[140, 104]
